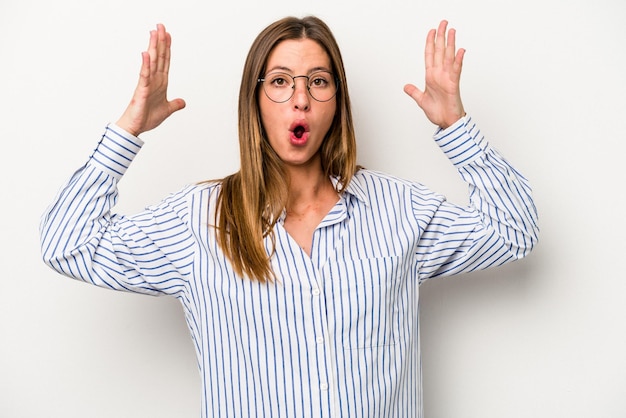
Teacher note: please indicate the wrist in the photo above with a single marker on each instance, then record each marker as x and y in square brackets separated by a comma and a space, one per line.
[452, 119]
[127, 126]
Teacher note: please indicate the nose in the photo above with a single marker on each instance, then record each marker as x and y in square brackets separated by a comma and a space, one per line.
[301, 98]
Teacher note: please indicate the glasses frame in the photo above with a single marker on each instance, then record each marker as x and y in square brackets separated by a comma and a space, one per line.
[293, 86]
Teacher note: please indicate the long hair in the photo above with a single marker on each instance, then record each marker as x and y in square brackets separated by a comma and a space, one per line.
[252, 199]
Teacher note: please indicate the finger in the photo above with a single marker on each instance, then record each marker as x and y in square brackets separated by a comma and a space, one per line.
[144, 73]
[450, 48]
[414, 92]
[152, 50]
[176, 105]
[168, 52]
[440, 42]
[429, 50]
[161, 47]
[458, 61]
[150, 41]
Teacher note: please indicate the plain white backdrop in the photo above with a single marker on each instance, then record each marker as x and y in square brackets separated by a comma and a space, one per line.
[545, 79]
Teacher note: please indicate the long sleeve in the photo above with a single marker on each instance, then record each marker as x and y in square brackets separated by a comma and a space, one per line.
[499, 224]
[150, 252]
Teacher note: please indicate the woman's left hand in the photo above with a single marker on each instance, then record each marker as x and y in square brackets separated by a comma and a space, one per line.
[441, 98]
[149, 106]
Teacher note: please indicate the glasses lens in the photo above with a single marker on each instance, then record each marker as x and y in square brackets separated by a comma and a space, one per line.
[279, 87]
[322, 86]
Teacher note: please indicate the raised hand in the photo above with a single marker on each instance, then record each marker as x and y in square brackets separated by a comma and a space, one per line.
[441, 98]
[149, 106]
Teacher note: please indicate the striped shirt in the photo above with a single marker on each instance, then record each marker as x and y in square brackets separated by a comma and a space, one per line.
[337, 333]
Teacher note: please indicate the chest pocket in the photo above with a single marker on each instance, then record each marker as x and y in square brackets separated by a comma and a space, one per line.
[368, 301]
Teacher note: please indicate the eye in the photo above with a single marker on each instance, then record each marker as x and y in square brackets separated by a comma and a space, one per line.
[278, 80]
[320, 80]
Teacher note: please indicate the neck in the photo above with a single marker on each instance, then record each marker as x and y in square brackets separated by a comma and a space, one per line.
[307, 187]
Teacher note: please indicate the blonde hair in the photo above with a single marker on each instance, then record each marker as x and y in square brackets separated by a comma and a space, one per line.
[252, 199]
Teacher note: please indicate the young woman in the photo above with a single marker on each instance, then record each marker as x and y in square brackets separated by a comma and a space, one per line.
[299, 274]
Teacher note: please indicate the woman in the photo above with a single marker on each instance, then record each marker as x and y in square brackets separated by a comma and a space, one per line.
[299, 275]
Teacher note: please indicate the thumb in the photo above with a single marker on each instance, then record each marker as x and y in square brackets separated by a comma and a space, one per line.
[414, 92]
[176, 105]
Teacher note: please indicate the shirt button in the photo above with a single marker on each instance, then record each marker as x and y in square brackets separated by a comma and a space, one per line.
[324, 386]
[319, 340]
[316, 292]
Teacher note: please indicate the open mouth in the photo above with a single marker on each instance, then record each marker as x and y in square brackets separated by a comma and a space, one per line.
[298, 131]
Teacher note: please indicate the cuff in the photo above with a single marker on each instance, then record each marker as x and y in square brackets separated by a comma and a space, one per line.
[461, 142]
[115, 151]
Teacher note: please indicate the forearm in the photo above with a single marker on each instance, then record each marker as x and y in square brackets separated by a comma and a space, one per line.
[74, 225]
[498, 192]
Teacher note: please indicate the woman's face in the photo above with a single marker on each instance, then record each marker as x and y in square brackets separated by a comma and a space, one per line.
[297, 127]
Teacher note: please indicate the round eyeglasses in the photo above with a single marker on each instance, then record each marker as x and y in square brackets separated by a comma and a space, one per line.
[279, 87]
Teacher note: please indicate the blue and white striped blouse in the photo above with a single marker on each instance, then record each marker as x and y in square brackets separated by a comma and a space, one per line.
[337, 334]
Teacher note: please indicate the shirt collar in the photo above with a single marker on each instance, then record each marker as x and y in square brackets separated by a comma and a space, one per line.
[355, 188]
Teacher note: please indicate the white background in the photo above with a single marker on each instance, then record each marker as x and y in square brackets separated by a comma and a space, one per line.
[545, 79]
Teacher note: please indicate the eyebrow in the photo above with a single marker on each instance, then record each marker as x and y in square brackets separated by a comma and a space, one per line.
[289, 70]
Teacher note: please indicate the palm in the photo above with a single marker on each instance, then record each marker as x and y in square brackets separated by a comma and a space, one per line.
[441, 98]
[149, 106]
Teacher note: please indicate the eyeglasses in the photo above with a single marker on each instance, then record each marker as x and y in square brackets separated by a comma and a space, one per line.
[279, 87]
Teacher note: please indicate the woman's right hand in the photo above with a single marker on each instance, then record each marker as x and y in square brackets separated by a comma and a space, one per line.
[149, 105]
